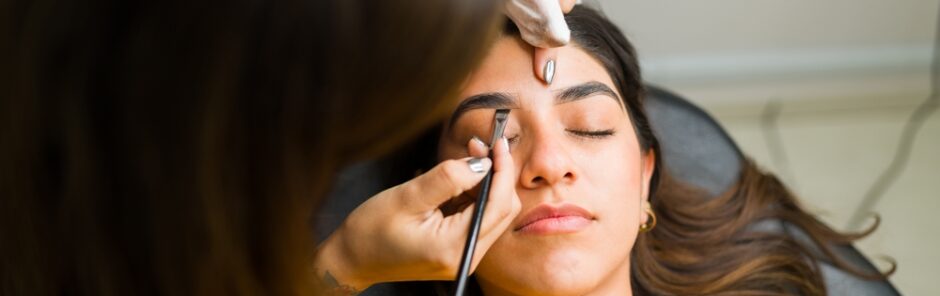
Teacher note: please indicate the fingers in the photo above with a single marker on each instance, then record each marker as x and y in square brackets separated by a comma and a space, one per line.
[540, 22]
[543, 62]
[503, 204]
[443, 182]
[567, 5]
[477, 148]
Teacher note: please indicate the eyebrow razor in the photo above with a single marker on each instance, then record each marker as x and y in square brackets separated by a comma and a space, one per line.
[499, 125]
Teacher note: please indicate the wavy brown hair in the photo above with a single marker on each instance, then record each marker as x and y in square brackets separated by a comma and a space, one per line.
[700, 246]
[704, 246]
[178, 147]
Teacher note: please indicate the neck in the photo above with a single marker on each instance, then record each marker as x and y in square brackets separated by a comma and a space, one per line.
[616, 283]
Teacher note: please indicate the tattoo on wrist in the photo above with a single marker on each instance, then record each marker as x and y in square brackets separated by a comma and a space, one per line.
[330, 286]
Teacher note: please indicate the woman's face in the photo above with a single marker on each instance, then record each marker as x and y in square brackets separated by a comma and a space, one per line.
[582, 176]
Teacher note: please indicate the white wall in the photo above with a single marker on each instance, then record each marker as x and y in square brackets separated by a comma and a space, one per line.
[846, 74]
[721, 50]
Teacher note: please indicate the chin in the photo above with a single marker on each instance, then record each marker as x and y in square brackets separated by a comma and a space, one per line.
[551, 283]
[567, 284]
[570, 272]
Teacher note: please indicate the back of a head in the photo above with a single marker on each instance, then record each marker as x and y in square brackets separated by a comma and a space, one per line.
[179, 147]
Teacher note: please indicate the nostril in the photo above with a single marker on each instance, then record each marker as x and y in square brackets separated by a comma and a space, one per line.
[538, 180]
[568, 176]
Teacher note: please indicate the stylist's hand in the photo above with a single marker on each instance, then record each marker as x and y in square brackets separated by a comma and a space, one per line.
[542, 24]
[401, 234]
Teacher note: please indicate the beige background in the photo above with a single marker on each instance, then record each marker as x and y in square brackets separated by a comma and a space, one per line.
[845, 76]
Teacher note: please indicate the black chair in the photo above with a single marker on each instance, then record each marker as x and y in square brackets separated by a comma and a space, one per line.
[694, 147]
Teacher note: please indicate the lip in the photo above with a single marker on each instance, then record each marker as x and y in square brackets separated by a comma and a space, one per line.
[548, 219]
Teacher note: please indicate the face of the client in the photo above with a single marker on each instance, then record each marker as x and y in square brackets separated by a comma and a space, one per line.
[582, 177]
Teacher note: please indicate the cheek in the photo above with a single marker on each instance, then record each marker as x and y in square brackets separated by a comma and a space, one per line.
[615, 168]
[616, 183]
[614, 180]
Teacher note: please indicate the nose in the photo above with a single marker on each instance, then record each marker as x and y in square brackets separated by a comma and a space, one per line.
[547, 162]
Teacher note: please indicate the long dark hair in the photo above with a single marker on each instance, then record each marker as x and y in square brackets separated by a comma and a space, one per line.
[705, 246]
[178, 147]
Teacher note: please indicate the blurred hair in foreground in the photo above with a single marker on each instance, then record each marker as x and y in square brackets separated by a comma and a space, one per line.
[177, 148]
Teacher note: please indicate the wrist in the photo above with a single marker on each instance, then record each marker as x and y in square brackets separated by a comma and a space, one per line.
[334, 271]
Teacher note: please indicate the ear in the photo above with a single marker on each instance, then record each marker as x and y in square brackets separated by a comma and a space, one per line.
[647, 167]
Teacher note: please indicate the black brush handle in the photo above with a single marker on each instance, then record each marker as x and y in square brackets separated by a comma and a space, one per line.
[467, 258]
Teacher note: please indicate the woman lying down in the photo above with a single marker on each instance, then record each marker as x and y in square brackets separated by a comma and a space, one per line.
[597, 217]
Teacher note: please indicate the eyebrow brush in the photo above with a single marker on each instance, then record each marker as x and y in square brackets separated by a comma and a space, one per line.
[499, 125]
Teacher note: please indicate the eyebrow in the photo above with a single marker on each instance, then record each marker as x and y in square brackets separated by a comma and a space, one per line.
[585, 90]
[499, 100]
[493, 100]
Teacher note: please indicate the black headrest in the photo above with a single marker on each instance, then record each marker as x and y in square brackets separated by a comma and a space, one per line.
[694, 149]
[693, 146]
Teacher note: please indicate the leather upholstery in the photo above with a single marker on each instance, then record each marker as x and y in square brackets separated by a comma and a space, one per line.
[694, 148]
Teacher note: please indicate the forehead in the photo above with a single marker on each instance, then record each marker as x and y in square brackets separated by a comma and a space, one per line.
[508, 68]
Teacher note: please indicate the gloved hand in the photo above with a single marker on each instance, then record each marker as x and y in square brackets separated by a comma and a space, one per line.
[542, 24]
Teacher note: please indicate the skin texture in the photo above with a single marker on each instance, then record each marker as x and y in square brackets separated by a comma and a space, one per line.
[558, 164]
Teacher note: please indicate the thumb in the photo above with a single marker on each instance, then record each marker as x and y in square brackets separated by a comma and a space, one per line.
[448, 179]
[544, 63]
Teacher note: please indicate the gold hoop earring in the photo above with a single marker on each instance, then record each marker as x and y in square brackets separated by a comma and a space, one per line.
[648, 225]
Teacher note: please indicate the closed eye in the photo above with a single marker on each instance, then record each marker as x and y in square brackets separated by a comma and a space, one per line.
[593, 134]
[513, 139]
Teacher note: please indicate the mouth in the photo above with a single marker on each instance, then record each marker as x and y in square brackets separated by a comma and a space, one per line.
[547, 219]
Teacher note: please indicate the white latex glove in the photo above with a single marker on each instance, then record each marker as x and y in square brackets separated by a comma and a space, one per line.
[542, 24]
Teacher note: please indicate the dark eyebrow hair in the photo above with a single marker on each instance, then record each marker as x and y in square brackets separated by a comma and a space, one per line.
[498, 100]
[585, 90]
[493, 100]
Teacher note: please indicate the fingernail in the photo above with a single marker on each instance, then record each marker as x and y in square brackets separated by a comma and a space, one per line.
[505, 144]
[548, 72]
[477, 140]
[479, 164]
